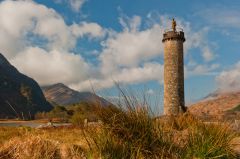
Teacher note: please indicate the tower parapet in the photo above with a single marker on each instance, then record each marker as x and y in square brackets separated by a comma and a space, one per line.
[170, 34]
[173, 40]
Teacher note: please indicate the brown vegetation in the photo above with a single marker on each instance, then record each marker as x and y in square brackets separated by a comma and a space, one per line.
[218, 106]
[126, 131]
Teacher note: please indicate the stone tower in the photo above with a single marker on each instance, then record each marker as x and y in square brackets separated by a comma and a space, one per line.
[173, 40]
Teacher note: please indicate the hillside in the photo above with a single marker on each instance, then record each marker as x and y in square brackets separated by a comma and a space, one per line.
[217, 103]
[20, 95]
[62, 95]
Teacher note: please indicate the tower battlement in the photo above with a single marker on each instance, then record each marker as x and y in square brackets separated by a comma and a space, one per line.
[173, 35]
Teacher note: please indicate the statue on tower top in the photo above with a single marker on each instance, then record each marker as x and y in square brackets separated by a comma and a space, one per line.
[174, 24]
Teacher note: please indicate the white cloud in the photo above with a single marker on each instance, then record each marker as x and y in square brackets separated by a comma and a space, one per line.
[208, 55]
[225, 20]
[23, 23]
[131, 47]
[229, 80]
[92, 30]
[53, 66]
[130, 24]
[150, 92]
[58, 1]
[126, 56]
[135, 46]
[194, 38]
[198, 39]
[21, 19]
[134, 75]
[201, 70]
[222, 17]
[76, 4]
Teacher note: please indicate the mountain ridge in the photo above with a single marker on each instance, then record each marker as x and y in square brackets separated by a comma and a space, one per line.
[216, 103]
[61, 94]
[20, 95]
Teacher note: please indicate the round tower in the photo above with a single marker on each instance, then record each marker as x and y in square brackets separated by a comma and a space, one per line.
[173, 40]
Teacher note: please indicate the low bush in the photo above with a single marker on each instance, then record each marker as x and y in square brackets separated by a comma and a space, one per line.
[78, 119]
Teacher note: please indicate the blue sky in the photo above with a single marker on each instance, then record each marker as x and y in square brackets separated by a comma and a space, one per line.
[92, 43]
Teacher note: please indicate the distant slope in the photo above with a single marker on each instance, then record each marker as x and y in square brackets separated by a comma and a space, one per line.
[216, 103]
[63, 95]
[19, 94]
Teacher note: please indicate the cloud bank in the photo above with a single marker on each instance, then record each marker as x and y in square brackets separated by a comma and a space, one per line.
[229, 80]
[39, 42]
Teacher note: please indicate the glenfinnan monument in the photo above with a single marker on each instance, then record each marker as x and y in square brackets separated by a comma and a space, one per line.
[173, 40]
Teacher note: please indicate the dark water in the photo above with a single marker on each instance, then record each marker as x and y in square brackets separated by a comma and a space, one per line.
[30, 124]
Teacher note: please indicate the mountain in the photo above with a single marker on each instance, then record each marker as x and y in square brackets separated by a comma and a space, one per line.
[63, 95]
[217, 103]
[20, 95]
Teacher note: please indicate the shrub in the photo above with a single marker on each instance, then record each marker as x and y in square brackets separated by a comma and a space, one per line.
[78, 118]
[237, 108]
[59, 112]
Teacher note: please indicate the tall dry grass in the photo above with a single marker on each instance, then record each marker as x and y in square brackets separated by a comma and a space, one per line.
[51, 143]
[210, 141]
[131, 134]
[128, 130]
[31, 147]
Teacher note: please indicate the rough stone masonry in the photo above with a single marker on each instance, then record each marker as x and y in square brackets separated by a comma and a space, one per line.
[173, 40]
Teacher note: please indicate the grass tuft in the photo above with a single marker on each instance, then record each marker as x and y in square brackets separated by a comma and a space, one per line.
[210, 141]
